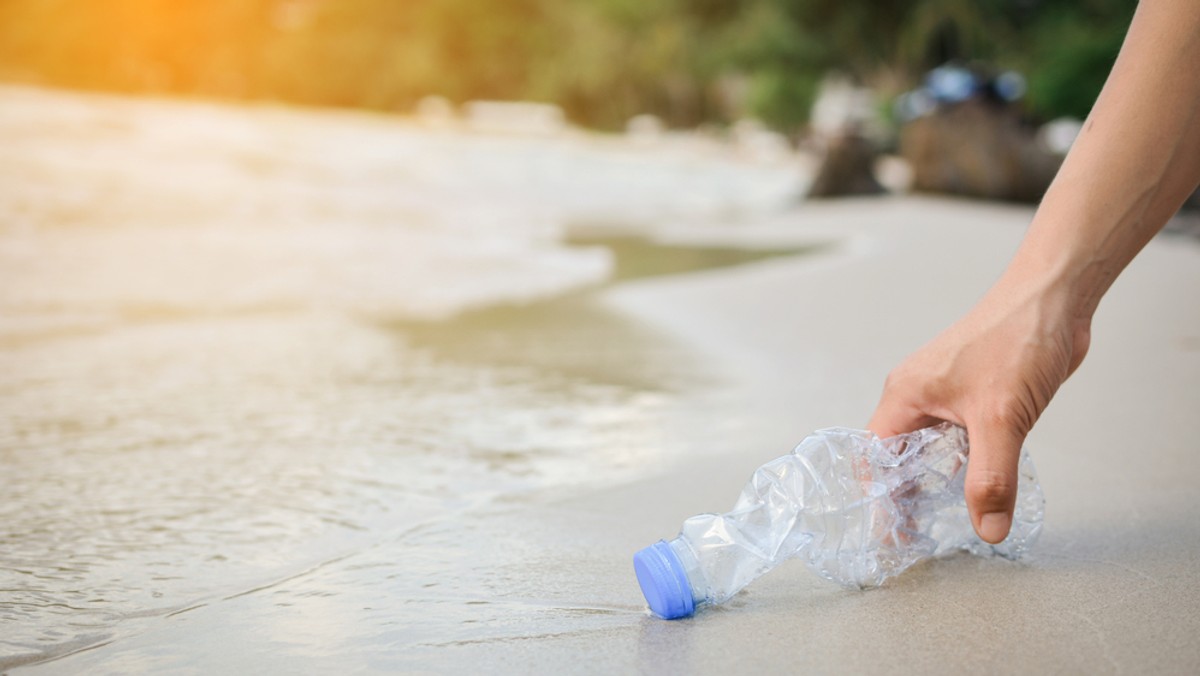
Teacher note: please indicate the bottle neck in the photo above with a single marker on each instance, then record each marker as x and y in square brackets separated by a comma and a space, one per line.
[691, 567]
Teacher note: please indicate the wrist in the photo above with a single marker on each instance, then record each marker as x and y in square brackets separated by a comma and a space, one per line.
[1057, 263]
[1053, 298]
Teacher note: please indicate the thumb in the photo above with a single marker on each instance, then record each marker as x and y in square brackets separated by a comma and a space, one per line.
[991, 483]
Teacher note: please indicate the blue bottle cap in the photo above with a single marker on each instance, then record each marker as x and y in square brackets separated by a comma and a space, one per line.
[664, 581]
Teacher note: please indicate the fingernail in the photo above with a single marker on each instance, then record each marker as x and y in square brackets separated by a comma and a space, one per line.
[994, 527]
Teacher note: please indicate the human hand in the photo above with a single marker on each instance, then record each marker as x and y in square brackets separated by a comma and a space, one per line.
[993, 372]
[1129, 170]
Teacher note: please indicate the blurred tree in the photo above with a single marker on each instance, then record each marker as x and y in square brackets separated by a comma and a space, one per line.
[603, 60]
[1068, 50]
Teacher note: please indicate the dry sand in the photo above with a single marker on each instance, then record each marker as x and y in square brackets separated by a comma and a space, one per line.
[805, 343]
[1112, 586]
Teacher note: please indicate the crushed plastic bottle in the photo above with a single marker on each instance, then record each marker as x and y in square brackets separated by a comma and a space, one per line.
[855, 508]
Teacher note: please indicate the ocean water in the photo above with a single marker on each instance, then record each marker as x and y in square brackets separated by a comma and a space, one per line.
[254, 350]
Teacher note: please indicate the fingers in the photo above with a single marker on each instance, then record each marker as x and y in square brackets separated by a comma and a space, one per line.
[888, 421]
[899, 411]
[991, 483]
[996, 436]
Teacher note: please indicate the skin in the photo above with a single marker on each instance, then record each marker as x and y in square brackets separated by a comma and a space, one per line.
[1135, 162]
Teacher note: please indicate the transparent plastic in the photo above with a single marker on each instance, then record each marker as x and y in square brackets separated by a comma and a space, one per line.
[855, 508]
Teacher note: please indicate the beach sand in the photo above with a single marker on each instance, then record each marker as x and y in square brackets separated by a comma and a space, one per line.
[789, 345]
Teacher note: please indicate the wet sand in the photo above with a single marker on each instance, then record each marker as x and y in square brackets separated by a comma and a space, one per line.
[781, 347]
[282, 369]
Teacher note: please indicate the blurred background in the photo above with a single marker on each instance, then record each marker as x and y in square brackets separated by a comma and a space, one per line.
[620, 64]
[688, 62]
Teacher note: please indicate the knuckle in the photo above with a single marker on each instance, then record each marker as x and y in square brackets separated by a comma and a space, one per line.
[893, 381]
[990, 488]
[1010, 413]
[935, 386]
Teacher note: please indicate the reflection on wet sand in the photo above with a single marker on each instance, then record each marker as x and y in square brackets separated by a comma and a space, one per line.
[578, 337]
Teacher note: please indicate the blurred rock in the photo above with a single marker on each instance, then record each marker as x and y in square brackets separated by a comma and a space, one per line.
[978, 148]
[847, 168]
[1058, 135]
[894, 173]
[644, 129]
[840, 105]
[436, 111]
[844, 121]
[753, 140]
[515, 117]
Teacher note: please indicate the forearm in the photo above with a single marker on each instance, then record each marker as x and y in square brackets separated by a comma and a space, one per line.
[1134, 163]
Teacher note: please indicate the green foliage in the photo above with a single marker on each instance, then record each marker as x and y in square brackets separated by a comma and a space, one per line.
[1072, 51]
[782, 99]
[602, 60]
